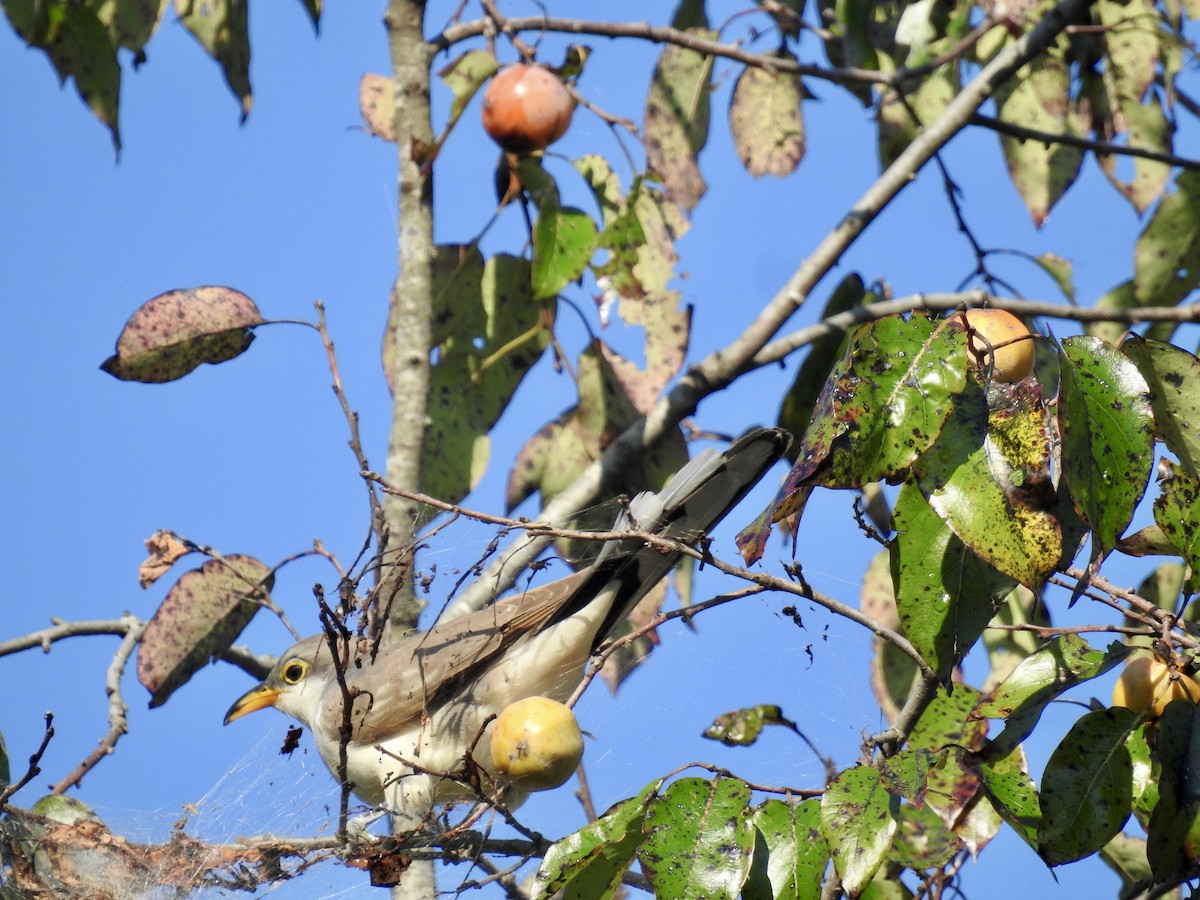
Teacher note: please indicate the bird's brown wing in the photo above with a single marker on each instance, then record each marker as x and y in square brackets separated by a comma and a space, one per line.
[416, 673]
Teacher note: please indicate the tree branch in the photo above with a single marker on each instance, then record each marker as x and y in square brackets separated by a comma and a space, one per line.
[1100, 148]
[118, 725]
[665, 34]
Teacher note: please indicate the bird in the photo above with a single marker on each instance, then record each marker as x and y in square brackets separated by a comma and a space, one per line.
[423, 702]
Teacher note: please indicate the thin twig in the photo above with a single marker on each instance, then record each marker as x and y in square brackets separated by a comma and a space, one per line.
[118, 724]
[35, 768]
[1100, 148]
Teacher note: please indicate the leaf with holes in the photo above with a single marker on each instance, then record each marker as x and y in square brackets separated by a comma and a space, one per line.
[988, 476]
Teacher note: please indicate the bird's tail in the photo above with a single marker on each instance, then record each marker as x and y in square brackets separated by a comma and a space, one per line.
[691, 503]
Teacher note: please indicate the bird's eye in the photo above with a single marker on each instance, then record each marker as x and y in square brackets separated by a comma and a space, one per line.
[294, 671]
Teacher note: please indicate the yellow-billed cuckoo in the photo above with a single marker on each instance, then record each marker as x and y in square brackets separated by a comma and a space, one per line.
[424, 698]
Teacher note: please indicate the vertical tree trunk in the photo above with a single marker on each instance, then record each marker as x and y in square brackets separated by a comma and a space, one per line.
[409, 333]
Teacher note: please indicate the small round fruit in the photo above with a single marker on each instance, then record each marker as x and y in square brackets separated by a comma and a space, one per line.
[1013, 362]
[536, 744]
[1146, 686]
[526, 108]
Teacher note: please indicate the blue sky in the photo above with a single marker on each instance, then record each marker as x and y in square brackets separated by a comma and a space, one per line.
[299, 204]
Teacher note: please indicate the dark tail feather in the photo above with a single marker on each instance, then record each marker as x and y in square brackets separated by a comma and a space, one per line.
[691, 503]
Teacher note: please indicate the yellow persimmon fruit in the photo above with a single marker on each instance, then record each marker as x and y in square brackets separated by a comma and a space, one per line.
[1012, 362]
[536, 744]
[1145, 685]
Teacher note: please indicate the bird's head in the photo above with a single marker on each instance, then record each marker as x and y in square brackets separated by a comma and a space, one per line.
[294, 686]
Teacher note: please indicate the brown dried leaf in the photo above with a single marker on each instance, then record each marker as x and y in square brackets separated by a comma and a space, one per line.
[668, 329]
[164, 549]
[375, 101]
[200, 618]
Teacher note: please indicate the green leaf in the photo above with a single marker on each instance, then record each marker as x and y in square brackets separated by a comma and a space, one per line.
[564, 240]
[883, 405]
[1008, 648]
[922, 839]
[1087, 787]
[1177, 512]
[1147, 127]
[699, 839]
[174, 333]
[945, 594]
[1038, 98]
[592, 861]
[1107, 429]
[1173, 833]
[907, 773]
[1144, 781]
[1013, 795]
[797, 409]
[766, 121]
[199, 619]
[488, 335]
[858, 821]
[1167, 253]
[790, 855]
[989, 477]
[221, 27]
[313, 8]
[676, 120]
[1060, 270]
[742, 727]
[639, 234]
[897, 127]
[1062, 663]
[1126, 855]
[948, 721]
[946, 724]
[465, 75]
[1173, 378]
[1130, 34]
